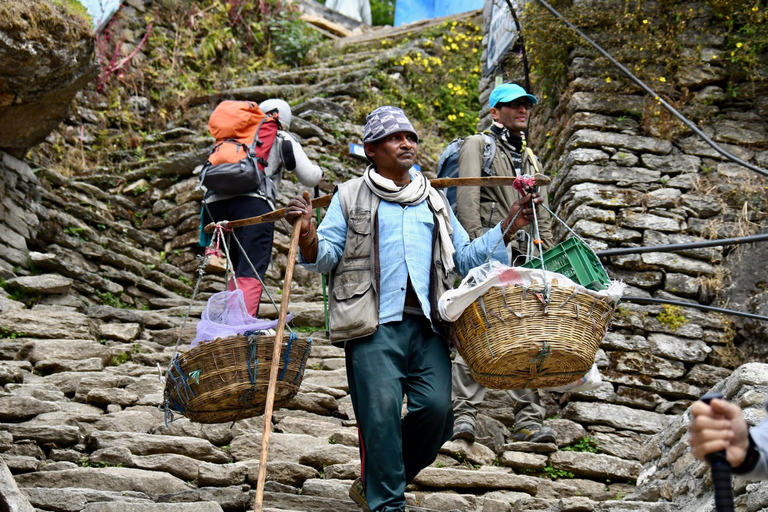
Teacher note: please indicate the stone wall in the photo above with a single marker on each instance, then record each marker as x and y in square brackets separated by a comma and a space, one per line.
[20, 192]
[618, 183]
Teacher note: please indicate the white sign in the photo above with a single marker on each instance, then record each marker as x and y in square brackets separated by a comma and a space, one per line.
[502, 33]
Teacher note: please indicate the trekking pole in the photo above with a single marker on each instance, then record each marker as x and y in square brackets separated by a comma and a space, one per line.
[721, 470]
[275, 364]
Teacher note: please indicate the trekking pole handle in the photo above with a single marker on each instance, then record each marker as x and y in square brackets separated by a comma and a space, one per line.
[721, 470]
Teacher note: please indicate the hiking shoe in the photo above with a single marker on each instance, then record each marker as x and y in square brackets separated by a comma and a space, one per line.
[463, 430]
[535, 434]
[357, 494]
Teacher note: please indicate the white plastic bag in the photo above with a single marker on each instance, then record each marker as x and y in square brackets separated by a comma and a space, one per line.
[590, 381]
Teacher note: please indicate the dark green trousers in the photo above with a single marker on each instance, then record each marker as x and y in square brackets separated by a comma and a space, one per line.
[400, 359]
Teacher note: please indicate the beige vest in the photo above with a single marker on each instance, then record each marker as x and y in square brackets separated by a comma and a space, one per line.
[353, 301]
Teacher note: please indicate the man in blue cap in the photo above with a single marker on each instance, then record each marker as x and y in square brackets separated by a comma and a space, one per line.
[477, 210]
[390, 243]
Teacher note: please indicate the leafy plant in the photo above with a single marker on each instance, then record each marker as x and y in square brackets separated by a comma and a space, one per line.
[672, 316]
[585, 444]
[553, 473]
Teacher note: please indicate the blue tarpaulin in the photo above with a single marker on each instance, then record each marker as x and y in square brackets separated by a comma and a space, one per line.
[101, 11]
[408, 11]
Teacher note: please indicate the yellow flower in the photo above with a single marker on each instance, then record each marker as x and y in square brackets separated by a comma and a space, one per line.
[755, 9]
[451, 117]
[739, 45]
[461, 114]
[662, 79]
[420, 105]
[645, 22]
[474, 50]
[429, 70]
[450, 85]
[608, 80]
[454, 46]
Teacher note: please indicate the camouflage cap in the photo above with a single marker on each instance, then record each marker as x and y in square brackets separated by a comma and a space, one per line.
[385, 121]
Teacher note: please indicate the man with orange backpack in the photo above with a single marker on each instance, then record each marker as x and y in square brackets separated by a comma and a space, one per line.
[242, 178]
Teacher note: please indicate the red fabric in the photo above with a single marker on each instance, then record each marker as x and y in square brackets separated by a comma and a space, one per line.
[251, 288]
[522, 183]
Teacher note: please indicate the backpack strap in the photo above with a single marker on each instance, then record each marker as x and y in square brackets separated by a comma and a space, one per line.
[489, 151]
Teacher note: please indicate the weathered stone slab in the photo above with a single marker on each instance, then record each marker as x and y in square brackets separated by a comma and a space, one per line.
[605, 104]
[646, 364]
[595, 139]
[475, 453]
[61, 435]
[677, 263]
[595, 465]
[69, 349]
[328, 455]
[283, 447]
[681, 349]
[608, 232]
[11, 498]
[120, 332]
[617, 416]
[221, 475]
[50, 323]
[150, 483]
[333, 379]
[663, 198]
[43, 283]
[22, 408]
[440, 478]
[147, 444]
[671, 164]
[209, 506]
[75, 499]
[287, 473]
[636, 220]
[702, 207]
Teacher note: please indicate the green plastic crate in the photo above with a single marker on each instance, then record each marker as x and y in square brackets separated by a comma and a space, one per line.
[576, 261]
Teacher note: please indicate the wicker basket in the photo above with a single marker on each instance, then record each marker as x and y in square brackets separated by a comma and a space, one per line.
[215, 382]
[511, 339]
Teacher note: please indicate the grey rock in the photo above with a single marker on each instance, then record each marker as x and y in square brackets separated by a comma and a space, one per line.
[120, 332]
[596, 139]
[150, 483]
[21, 408]
[681, 349]
[43, 283]
[328, 455]
[288, 473]
[672, 164]
[607, 232]
[62, 435]
[221, 475]
[283, 447]
[595, 465]
[11, 498]
[635, 362]
[475, 453]
[209, 506]
[75, 499]
[677, 263]
[440, 478]
[636, 220]
[145, 444]
[615, 416]
[613, 104]
[521, 460]
[42, 322]
[702, 207]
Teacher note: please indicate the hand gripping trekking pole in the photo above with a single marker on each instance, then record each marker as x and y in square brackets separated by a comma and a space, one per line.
[721, 470]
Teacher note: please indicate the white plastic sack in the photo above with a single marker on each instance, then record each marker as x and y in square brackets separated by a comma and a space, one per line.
[481, 279]
[590, 381]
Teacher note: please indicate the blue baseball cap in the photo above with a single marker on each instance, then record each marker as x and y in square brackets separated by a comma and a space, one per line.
[506, 93]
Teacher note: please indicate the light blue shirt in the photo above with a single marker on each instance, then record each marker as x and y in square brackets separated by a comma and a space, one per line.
[405, 249]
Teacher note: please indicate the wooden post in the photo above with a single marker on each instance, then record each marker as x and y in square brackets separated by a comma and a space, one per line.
[275, 364]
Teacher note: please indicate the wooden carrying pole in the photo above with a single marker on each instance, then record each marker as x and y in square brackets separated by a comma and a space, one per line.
[275, 364]
[323, 202]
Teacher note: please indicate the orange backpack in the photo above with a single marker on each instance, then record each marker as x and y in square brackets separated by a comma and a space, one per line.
[244, 137]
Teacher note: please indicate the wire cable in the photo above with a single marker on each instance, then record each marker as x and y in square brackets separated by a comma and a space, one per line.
[654, 300]
[682, 246]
